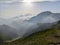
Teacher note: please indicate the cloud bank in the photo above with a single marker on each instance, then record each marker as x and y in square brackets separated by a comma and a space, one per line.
[9, 1]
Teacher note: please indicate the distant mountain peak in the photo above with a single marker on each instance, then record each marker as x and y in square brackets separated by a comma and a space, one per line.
[46, 12]
[46, 16]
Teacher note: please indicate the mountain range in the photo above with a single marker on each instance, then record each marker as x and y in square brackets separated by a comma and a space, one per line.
[12, 28]
[45, 17]
[49, 36]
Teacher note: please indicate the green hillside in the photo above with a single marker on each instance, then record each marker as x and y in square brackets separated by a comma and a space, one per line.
[46, 37]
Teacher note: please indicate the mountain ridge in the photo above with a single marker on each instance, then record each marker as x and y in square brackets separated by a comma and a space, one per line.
[45, 37]
[47, 14]
[25, 28]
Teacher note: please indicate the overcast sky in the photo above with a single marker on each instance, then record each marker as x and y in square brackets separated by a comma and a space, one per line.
[34, 0]
[10, 9]
[26, 0]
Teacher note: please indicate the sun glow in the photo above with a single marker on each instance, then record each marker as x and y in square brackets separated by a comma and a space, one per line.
[28, 1]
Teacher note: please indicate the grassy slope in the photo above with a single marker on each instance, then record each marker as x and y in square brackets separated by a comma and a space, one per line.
[39, 38]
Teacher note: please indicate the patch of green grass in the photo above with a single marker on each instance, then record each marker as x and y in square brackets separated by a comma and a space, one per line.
[38, 38]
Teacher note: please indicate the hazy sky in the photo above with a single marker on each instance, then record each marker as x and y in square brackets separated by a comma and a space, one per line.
[11, 8]
[29, 0]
